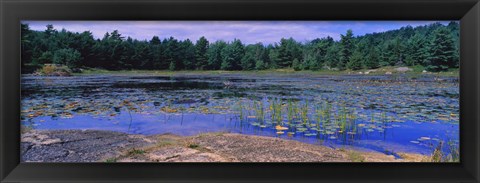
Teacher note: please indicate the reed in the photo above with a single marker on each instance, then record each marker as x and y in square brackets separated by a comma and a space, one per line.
[278, 112]
[437, 155]
[327, 113]
[259, 111]
[319, 116]
[304, 113]
[454, 152]
[272, 110]
[240, 110]
[290, 112]
[384, 118]
[372, 117]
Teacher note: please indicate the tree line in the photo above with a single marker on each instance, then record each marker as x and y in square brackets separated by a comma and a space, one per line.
[434, 46]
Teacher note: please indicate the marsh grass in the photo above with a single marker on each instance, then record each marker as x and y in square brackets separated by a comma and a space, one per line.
[193, 146]
[451, 154]
[437, 155]
[355, 156]
[240, 110]
[136, 152]
[259, 112]
[319, 118]
[165, 143]
[276, 110]
[290, 112]
[304, 113]
[454, 155]
[111, 160]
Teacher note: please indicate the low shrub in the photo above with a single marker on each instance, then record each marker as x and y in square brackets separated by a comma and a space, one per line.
[53, 70]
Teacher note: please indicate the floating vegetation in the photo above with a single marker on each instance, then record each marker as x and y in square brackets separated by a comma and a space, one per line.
[335, 109]
[280, 128]
[167, 109]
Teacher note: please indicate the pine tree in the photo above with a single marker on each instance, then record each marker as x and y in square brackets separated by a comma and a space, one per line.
[186, 56]
[442, 51]
[288, 50]
[332, 55]
[68, 57]
[171, 54]
[171, 66]
[232, 55]
[297, 66]
[435, 46]
[356, 60]
[372, 60]
[346, 49]
[214, 54]
[201, 58]
[416, 51]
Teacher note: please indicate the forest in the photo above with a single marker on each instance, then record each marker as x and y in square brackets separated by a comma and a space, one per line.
[434, 46]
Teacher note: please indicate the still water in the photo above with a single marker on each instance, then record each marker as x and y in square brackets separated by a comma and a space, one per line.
[387, 114]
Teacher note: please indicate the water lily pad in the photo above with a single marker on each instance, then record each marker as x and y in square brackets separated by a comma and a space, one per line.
[424, 138]
[280, 128]
[302, 129]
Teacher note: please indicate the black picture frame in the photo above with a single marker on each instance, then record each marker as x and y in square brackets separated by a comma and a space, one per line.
[13, 11]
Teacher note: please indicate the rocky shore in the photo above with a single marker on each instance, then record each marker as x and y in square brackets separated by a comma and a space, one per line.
[108, 146]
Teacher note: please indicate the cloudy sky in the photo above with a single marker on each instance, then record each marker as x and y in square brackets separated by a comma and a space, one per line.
[248, 31]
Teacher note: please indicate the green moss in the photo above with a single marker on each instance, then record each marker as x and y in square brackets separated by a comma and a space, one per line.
[136, 151]
[355, 156]
[111, 160]
[193, 146]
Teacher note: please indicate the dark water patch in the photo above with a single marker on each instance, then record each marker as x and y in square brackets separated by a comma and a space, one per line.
[169, 85]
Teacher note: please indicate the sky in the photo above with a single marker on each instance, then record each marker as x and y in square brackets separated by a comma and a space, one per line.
[249, 32]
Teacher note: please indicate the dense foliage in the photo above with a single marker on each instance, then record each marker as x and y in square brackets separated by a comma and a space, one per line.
[434, 46]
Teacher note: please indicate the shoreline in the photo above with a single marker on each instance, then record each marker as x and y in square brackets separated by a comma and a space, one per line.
[367, 72]
[110, 146]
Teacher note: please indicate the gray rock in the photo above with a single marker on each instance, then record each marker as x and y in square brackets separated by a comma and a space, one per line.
[76, 145]
[403, 69]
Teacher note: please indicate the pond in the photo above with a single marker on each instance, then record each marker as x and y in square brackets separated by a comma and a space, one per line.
[386, 113]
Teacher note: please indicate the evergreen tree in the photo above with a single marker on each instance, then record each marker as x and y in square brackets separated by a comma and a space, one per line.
[416, 50]
[248, 60]
[232, 55]
[26, 44]
[273, 56]
[68, 57]
[435, 46]
[297, 66]
[171, 54]
[356, 60]
[156, 51]
[201, 57]
[214, 54]
[372, 60]
[442, 51]
[187, 56]
[288, 50]
[346, 49]
[332, 56]
[254, 58]
[171, 66]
